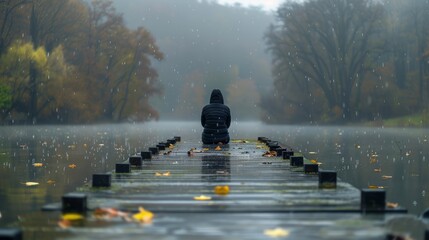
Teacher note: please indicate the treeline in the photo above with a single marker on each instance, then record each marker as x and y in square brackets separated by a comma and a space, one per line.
[348, 60]
[70, 61]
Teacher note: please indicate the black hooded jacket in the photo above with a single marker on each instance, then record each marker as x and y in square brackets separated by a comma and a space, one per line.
[216, 119]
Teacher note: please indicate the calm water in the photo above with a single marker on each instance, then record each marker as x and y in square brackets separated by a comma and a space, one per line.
[71, 154]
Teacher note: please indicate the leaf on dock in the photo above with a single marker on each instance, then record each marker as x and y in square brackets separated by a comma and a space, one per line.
[377, 169]
[202, 198]
[38, 164]
[392, 205]
[72, 166]
[276, 232]
[158, 174]
[143, 216]
[218, 148]
[386, 177]
[270, 154]
[111, 213]
[221, 190]
[375, 187]
[72, 217]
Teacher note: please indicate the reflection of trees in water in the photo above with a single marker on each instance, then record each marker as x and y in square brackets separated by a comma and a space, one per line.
[216, 168]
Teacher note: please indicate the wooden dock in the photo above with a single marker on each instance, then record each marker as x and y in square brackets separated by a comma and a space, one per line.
[234, 191]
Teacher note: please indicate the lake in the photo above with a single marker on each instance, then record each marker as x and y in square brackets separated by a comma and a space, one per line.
[61, 158]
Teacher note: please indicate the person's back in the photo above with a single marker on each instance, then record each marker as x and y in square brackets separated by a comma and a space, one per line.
[216, 119]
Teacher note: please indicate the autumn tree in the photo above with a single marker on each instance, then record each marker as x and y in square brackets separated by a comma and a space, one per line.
[118, 65]
[325, 45]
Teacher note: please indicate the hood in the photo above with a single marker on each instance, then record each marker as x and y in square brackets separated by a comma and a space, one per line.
[216, 96]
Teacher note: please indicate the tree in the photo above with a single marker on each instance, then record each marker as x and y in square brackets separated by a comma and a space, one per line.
[118, 65]
[325, 45]
[10, 21]
[15, 74]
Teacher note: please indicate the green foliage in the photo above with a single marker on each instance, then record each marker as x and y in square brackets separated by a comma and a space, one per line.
[5, 97]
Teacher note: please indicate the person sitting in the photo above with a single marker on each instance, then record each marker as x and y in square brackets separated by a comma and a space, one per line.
[216, 119]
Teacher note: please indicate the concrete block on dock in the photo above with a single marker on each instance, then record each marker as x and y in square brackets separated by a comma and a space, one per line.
[146, 155]
[161, 146]
[171, 141]
[373, 200]
[274, 148]
[280, 151]
[10, 234]
[311, 168]
[287, 154]
[136, 161]
[178, 138]
[263, 139]
[327, 179]
[101, 180]
[123, 168]
[297, 161]
[154, 150]
[74, 202]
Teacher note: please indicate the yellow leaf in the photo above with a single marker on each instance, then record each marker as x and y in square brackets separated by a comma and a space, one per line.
[143, 216]
[276, 232]
[375, 187]
[158, 174]
[72, 217]
[50, 182]
[386, 177]
[38, 164]
[202, 198]
[221, 190]
[171, 146]
[72, 166]
[313, 161]
[218, 148]
[31, 184]
[206, 149]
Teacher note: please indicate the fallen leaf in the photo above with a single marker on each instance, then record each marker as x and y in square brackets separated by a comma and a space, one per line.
[29, 184]
[313, 161]
[38, 164]
[375, 187]
[276, 232]
[392, 205]
[109, 213]
[386, 177]
[143, 216]
[221, 190]
[64, 224]
[158, 174]
[72, 166]
[377, 169]
[171, 146]
[218, 148]
[202, 198]
[50, 181]
[72, 217]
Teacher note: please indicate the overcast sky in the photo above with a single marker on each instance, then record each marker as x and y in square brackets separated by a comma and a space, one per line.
[269, 5]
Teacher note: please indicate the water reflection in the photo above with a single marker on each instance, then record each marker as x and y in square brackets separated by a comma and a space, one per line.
[216, 168]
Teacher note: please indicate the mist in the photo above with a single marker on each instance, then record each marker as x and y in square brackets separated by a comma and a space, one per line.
[206, 46]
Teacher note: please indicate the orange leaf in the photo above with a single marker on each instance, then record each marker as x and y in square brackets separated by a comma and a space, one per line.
[221, 190]
[72, 166]
[218, 148]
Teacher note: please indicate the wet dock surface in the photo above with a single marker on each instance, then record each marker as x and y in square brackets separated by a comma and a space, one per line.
[216, 192]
